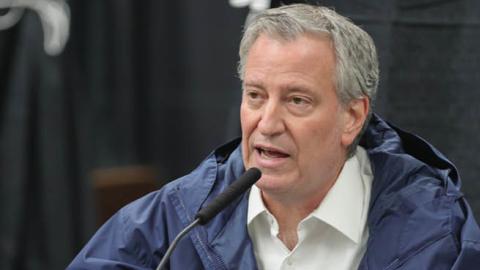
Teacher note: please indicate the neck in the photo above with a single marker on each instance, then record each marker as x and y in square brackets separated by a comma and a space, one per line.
[288, 217]
[290, 211]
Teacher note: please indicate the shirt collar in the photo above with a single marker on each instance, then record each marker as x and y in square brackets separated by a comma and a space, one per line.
[345, 207]
[255, 204]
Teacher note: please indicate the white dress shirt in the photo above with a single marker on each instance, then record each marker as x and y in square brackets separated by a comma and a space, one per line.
[333, 236]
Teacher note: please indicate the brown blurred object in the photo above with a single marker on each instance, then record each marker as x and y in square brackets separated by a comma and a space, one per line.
[115, 187]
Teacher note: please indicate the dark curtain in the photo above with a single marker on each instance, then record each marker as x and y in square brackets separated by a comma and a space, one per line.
[44, 204]
[150, 82]
[154, 82]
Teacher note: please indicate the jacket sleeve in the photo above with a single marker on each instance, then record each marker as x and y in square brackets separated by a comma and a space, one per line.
[469, 256]
[457, 250]
[134, 238]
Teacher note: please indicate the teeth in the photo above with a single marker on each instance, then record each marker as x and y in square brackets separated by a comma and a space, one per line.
[271, 154]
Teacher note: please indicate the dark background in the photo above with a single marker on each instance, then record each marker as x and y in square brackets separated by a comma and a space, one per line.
[153, 83]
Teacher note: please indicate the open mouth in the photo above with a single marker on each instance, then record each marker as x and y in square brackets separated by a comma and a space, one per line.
[270, 153]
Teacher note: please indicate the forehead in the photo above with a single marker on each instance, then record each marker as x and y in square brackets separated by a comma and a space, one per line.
[308, 57]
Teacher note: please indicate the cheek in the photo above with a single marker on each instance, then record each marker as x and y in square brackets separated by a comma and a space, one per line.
[317, 138]
[247, 126]
[248, 120]
[244, 121]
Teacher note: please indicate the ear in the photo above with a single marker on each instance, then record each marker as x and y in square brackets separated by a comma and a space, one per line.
[355, 114]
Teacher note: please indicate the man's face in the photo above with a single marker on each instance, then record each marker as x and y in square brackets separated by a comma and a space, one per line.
[293, 126]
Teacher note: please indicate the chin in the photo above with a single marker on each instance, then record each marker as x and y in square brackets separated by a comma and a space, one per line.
[272, 184]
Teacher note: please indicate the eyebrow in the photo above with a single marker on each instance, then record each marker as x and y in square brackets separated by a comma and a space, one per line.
[298, 88]
[291, 87]
[253, 84]
[286, 89]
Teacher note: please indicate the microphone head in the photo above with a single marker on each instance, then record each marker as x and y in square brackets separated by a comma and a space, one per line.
[238, 187]
[254, 174]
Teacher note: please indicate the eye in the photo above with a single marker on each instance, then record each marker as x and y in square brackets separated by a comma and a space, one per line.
[253, 97]
[299, 101]
[300, 105]
[253, 94]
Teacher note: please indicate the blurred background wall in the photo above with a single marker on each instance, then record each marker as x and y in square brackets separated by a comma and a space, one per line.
[146, 89]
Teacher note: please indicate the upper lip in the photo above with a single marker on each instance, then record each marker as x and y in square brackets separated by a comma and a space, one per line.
[269, 148]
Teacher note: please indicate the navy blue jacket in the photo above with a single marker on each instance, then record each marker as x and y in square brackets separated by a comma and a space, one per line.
[418, 218]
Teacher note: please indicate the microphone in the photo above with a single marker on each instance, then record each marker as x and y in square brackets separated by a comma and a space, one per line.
[238, 187]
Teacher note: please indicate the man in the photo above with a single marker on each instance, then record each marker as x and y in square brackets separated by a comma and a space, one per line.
[323, 201]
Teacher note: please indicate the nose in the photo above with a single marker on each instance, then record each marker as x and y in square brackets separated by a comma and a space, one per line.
[271, 120]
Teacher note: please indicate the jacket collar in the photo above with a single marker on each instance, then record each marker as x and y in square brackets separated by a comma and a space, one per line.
[411, 193]
[394, 154]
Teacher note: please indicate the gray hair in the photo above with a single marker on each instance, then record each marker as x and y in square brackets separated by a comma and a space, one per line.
[357, 72]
